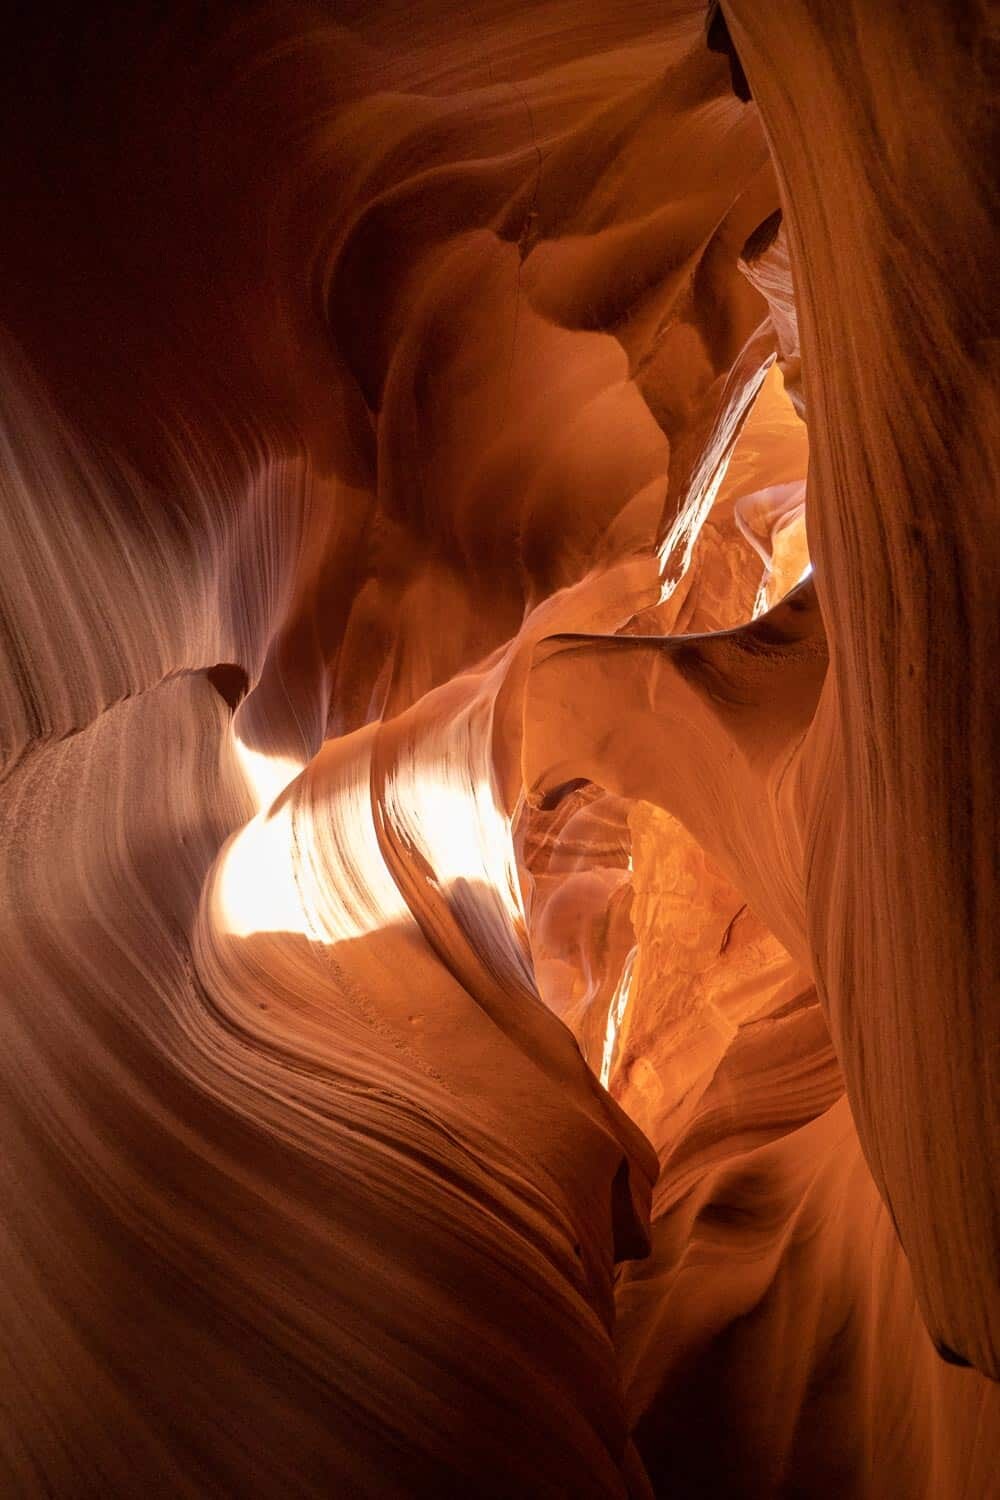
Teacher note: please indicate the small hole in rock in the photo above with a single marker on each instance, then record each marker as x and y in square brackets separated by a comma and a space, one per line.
[230, 682]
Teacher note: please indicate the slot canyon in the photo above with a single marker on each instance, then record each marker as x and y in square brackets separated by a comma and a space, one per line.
[499, 719]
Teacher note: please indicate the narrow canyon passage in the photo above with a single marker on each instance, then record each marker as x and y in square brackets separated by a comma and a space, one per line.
[499, 893]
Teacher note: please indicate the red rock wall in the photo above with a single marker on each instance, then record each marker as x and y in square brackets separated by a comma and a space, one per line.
[498, 964]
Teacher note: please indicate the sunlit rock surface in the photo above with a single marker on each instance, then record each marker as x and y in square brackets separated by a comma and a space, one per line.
[499, 904]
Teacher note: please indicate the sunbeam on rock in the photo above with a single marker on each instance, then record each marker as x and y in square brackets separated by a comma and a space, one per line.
[499, 714]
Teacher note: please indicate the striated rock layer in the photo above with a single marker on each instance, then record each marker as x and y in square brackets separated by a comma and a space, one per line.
[499, 896]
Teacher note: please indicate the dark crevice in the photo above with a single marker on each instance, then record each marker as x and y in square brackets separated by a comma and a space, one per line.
[718, 40]
[230, 682]
[762, 238]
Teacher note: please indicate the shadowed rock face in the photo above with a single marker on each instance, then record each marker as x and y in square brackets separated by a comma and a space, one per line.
[499, 894]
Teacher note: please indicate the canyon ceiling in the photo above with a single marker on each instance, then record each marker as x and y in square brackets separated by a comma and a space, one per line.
[499, 721]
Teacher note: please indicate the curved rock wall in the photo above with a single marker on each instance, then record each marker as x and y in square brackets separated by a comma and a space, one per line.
[498, 881]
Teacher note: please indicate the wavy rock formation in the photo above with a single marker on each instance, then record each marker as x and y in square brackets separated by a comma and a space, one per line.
[499, 898]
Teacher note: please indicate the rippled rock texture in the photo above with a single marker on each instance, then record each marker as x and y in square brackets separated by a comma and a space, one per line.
[499, 900]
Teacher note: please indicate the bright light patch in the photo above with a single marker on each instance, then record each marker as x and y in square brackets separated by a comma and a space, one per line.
[442, 800]
[314, 865]
[347, 887]
[616, 1014]
[266, 775]
[255, 888]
